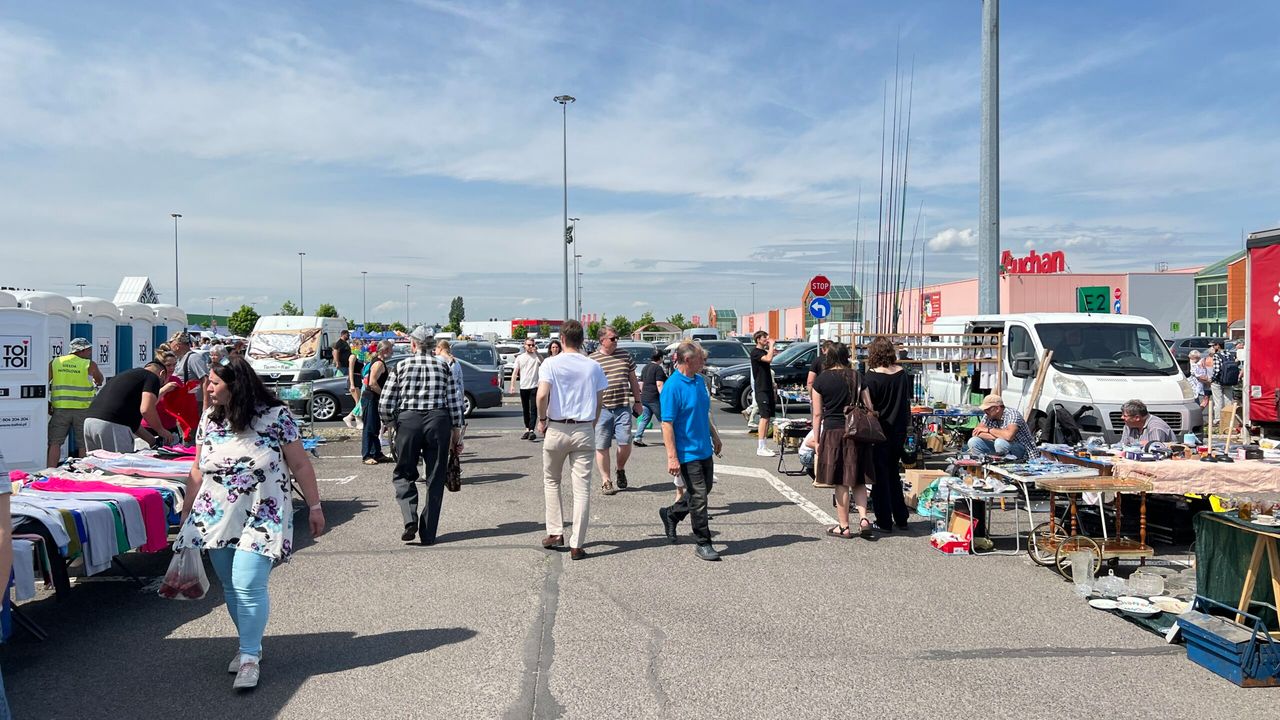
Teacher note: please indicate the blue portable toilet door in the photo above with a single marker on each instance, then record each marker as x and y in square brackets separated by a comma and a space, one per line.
[124, 348]
[159, 336]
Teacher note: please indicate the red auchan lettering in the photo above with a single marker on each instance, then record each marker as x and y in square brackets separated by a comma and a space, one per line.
[1048, 263]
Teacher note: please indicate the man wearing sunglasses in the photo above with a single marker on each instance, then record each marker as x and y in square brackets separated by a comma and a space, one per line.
[616, 413]
[525, 376]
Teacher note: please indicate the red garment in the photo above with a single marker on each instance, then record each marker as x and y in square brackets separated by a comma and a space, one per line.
[163, 409]
[155, 517]
[186, 407]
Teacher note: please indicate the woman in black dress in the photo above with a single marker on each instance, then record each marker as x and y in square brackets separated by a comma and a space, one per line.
[841, 462]
[889, 386]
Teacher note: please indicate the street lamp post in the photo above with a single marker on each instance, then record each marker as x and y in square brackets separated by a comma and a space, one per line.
[577, 286]
[576, 247]
[302, 304]
[211, 321]
[175, 217]
[406, 306]
[564, 101]
[364, 298]
[81, 286]
[753, 298]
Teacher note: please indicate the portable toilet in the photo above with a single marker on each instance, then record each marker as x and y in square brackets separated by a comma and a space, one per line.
[24, 383]
[169, 320]
[135, 336]
[95, 319]
[58, 312]
[7, 300]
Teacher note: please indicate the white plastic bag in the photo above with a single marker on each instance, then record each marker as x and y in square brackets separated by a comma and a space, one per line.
[185, 579]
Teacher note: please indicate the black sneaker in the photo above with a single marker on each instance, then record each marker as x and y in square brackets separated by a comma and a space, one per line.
[706, 552]
[668, 524]
[622, 479]
[410, 531]
[639, 443]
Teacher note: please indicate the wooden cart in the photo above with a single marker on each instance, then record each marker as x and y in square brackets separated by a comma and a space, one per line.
[1052, 541]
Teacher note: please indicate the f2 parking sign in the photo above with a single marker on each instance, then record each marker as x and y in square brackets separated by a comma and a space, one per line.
[15, 353]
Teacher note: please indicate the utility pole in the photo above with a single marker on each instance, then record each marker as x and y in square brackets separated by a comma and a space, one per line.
[175, 217]
[989, 171]
[564, 101]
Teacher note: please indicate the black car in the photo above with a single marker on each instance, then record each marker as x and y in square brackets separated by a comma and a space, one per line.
[721, 354]
[732, 385]
[331, 400]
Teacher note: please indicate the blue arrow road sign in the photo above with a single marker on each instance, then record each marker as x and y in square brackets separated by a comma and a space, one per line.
[820, 308]
[1117, 307]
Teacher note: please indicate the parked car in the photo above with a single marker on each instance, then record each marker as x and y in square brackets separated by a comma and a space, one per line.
[641, 353]
[720, 354]
[507, 353]
[331, 400]
[732, 385]
[1181, 349]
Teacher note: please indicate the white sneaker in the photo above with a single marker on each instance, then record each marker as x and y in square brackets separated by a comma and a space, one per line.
[349, 421]
[246, 676]
[359, 424]
[234, 667]
[765, 452]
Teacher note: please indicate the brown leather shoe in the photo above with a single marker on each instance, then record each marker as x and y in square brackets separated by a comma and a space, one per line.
[553, 541]
[577, 553]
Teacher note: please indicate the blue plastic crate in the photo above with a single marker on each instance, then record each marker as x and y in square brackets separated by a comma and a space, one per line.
[1247, 656]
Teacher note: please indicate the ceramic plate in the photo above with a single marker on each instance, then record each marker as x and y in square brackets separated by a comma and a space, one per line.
[1264, 520]
[1132, 600]
[1171, 605]
[1103, 604]
[1144, 609]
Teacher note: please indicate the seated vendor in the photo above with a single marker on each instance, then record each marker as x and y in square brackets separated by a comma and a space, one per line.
[1003, 431]
[808, 451]
[1141, 427]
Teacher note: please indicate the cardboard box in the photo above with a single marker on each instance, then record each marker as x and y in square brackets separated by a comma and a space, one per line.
[917, 481]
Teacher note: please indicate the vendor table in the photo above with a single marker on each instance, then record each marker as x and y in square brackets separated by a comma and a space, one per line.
[1056, 539]
[971, 494]
[1102, 464]
[1178, 477]
[1221, 571]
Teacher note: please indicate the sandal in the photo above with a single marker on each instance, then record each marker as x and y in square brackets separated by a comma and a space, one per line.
[370, 461]
[864, 529]
[607, 488]
[839, 531]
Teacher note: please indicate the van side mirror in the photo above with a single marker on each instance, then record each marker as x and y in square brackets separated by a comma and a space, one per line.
[1024, 365]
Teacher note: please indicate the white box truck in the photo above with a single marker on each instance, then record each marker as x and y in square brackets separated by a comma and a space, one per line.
[1099, 361]
[286, 349]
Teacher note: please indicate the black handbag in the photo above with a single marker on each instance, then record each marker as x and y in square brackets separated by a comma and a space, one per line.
[453, 475]
[860, 424]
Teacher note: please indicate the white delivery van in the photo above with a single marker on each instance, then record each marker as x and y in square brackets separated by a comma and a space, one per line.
[1099, 361]
[701, 334]
[286, 349]
[845, 332]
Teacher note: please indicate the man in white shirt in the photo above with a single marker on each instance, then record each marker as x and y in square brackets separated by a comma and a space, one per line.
[525, 376]
[570, 387]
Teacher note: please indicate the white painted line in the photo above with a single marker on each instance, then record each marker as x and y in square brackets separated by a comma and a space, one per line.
[339, 481]
[787, 491]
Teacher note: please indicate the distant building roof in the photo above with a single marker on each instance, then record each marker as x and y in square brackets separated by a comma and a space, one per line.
[726, 314]
[1220, 267]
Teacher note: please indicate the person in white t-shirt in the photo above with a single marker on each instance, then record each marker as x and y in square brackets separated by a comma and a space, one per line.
[525, 376]
[570, 386]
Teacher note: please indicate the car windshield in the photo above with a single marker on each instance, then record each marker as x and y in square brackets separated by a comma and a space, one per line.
[791, 353]
[639, 355]
[475, 354]
[1107, 349]
[726, 350]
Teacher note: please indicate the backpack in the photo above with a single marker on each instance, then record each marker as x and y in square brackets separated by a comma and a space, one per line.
[1229, 371]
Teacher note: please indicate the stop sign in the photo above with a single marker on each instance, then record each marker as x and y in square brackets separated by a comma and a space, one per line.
[820, 285]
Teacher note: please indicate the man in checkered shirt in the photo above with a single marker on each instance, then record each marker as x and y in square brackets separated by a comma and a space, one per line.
[424, 401]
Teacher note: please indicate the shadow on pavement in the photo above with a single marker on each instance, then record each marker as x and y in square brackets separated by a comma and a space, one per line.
[481, 458]
[336, 512]
[741, 508]
[503, 530]
[491, 478]
[742, 547]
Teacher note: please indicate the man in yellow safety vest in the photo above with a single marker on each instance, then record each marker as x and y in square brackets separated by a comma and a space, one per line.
[73, 380]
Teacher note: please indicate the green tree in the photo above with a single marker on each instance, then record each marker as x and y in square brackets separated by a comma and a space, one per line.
[288, 308]
[242, 321]
[593, 328]
[544, 330]
[326, 310]
[457, 313]
[622, 325]
[521, 332]
[374, 327]
[679, 321]
[645, 319]
[398, 327]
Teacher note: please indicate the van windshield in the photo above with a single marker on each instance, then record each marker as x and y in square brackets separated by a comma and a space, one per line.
[283, 344]
[1106, 349]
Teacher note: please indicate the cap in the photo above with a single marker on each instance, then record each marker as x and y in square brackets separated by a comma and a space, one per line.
[181, 337]
[991, 401]
[79, 344]
[421, 335]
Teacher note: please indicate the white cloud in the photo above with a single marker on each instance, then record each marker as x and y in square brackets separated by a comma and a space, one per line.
[953, 238]
[640, 304]
[530, 301]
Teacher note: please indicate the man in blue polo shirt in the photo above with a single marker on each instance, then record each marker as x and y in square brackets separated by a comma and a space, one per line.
[691, 440]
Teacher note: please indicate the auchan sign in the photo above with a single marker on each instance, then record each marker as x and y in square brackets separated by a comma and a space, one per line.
[1051, 262]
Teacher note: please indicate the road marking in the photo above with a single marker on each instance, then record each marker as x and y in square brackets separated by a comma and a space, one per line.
[787, 491]
[339, 481]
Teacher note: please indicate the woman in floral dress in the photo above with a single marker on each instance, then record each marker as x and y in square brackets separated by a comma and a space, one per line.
[238, 505]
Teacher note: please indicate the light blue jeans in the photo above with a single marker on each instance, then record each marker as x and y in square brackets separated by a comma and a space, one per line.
[999, 447]
[244, 583]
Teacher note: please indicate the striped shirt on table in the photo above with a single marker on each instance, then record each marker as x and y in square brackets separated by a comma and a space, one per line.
[619, 370]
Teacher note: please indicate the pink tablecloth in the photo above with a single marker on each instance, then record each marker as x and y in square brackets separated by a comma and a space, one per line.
[1176, 477]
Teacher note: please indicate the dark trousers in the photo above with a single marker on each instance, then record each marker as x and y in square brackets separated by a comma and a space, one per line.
[697, 477]
[886, 491]
[529, 404]
[421, 436]
[370, 444]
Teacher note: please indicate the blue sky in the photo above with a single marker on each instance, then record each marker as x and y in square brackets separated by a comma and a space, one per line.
[713, 144]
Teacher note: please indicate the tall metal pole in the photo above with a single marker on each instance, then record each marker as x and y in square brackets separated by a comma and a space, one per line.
[576, 247]
[564, 101]
[989, 208]
[364, 298]
[753, 298]
[175, 217]
[406, 306]
[302, 305]
[81, 286]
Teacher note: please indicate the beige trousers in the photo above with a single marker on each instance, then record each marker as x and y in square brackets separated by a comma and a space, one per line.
[575, 443]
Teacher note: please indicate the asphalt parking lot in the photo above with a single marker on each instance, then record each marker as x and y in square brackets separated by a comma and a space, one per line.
[488, 624]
